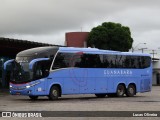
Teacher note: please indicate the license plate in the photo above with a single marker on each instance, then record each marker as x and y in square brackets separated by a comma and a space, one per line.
[18, 93]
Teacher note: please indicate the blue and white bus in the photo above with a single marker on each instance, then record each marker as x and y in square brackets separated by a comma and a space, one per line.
[56, 71]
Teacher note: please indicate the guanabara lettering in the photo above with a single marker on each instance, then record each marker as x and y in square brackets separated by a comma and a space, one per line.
[117, 72]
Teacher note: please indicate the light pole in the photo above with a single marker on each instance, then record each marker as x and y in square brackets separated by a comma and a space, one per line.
[153, 53]
[133, 48]
[142, 49]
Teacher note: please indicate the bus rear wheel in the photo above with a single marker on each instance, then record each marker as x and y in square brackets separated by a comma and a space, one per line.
[100, 95]
[54, 93]
[33, 97]
[131, 90]
[120, 90]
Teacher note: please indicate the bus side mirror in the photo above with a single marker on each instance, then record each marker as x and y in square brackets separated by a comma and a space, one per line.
[8, 65]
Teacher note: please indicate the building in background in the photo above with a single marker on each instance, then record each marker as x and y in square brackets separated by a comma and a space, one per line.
[156, 71]
[76, 39]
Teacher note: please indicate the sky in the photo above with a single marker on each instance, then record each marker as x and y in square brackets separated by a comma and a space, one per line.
[47, 21]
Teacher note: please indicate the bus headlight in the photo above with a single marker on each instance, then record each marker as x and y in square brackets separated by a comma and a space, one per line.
[28, 86]
[31, 85]
[10, 86]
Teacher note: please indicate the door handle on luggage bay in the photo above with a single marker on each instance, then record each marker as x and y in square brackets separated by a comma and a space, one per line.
[144, 75]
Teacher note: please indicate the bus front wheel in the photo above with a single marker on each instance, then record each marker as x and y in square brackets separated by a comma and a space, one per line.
[54, 93]
[120, 90]
[131, 90]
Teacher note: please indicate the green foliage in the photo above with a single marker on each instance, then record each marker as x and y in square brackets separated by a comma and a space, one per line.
[110, 36]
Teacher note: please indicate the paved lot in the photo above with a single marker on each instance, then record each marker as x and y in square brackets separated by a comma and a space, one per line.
[141, 102]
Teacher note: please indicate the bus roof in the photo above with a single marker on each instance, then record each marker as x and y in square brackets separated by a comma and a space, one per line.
[98, 51]
[44, 50]
[74, 49]
[37, 50]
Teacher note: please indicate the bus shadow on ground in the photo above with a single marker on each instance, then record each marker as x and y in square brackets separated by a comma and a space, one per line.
[41, 99]
[66, 99]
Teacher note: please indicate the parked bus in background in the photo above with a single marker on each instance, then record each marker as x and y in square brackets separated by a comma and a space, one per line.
[6, 84]
[56, 71]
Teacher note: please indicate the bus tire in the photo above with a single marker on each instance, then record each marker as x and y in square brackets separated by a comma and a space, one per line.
[33, 97]
[54, 93]
[131, 90]
[100, 95]
[120, 90]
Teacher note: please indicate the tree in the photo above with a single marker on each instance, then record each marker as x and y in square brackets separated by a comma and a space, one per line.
[110, 36]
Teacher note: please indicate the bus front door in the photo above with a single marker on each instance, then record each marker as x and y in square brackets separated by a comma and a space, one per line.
[40, 68]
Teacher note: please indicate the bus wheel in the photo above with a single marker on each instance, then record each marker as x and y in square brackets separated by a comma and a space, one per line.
[131, 90]
[120, 90]
[33, 97]
[54, 93]
[100, 95]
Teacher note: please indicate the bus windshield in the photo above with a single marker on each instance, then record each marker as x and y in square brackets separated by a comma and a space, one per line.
[22, 74]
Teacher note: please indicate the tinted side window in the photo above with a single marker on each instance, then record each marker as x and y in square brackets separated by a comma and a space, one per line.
[146, 61]
[140, 62]
[41, 69]
[87, 61]
[123, 61]
[109, 61]
[131, 62]
[62, 60]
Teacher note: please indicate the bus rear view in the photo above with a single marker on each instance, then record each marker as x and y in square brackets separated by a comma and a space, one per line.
[52, 72]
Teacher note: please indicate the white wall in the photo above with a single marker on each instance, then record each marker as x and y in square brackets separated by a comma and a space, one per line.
[156, 69]
[156, 64]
